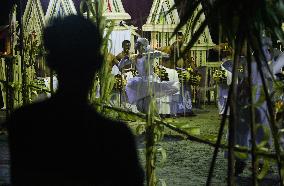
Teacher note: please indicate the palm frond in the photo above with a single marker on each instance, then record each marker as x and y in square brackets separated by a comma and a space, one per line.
[187, 12]
[243, 23]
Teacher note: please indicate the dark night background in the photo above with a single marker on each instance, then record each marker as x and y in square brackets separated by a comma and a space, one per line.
[138, 10]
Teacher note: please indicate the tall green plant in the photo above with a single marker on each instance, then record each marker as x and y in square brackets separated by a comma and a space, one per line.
[104, 81]
[241, 22]
[154, 133]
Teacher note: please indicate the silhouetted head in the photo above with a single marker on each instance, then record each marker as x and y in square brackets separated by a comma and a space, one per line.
[73, 50]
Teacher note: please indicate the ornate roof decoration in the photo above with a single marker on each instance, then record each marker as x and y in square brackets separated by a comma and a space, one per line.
[162, 23]
[160, 19]
[205, 38]
[113, 9]
[33, 19]
[59, 8]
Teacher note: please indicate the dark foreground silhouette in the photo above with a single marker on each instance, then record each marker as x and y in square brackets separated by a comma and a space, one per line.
[63, 141]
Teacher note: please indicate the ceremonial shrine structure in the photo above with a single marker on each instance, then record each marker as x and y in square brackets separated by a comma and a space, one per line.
[151, 84]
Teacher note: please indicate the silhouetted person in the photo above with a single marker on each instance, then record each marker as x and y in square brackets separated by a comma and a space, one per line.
[63, 141]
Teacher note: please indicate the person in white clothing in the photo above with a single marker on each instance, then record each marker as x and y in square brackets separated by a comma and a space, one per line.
[146, 86]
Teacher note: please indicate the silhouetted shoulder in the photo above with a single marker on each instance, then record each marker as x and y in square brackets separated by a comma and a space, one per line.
[49, 140]
[24, 115]
[121, 149]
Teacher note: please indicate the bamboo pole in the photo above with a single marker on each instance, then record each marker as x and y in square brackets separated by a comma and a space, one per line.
[151, 179]
[252, 120]
[232, 119]
[273, 126]
[218, 143]
[190, 137]
[23, 65]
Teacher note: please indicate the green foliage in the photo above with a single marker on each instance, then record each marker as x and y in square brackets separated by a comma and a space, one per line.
[163, 182]
[140, 129]
[277, 95]
[105, 81]
[265, 168]
[12, 85]
[261, 98]
[266, 136]
[242, 23]
[191, 130]
[248, 18]
[241, 155]
[163, 153]
[278, 89]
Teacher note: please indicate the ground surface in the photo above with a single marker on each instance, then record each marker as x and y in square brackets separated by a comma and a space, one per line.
[187, 162]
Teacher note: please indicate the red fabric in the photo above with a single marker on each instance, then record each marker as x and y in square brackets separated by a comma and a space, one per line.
[108, 6]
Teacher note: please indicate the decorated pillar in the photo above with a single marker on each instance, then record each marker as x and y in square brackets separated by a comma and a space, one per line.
[33, 25]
